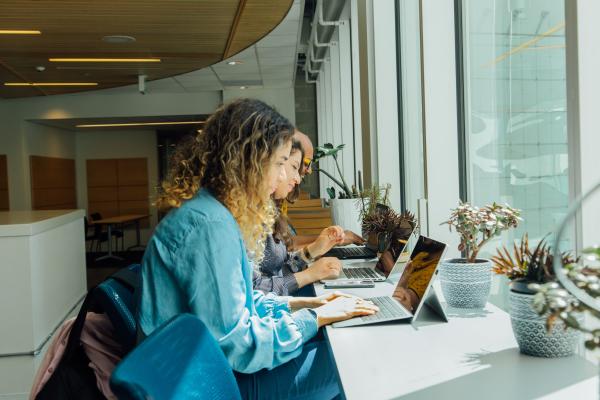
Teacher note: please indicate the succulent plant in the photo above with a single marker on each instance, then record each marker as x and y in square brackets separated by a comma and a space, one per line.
[389, 221]
[526, 266]
[476, 226]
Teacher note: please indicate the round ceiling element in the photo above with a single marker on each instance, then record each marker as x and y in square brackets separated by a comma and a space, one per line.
[118, 39]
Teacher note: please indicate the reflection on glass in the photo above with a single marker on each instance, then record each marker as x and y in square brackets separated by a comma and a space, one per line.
[515, 78]
[515, 93]
[418, 273]
[391, 250]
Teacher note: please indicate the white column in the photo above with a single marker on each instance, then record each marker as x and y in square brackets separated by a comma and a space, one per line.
[356, 94]
[440, 122]
[583, 97]
[386, 97]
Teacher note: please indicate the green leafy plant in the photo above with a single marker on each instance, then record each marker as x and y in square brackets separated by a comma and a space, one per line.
[328, 150]
[477, 226]
[559, 304]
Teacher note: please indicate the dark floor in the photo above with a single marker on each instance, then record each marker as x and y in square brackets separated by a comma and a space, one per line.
[97, 271]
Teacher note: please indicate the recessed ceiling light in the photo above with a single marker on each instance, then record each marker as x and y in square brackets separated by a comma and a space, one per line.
[139, 124]
[50, 84]
[234, 62]
[243, 87]
[107, 60]
[18, 32]
[118, 39]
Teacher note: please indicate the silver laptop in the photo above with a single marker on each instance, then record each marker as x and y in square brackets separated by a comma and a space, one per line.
[413, 289]
[389, 263]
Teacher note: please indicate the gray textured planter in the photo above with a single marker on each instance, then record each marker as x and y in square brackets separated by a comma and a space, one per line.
[466, 285]
[530, 330]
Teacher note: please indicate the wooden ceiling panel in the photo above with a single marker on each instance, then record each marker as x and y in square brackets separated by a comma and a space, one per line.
[187, 35]
[257, 19]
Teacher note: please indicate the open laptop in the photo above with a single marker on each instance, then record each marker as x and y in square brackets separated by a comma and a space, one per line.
[413, 289]
[387, 264]
[363, 252]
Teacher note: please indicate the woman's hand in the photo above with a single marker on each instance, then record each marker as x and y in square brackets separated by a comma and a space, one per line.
[329, 237]
[297, 303]
[352, 238]
[343, 308]
[323, 268]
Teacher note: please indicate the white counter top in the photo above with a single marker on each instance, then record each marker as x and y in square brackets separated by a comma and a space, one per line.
[27, 223]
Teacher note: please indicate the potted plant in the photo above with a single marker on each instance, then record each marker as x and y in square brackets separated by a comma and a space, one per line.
[389, 223]
[348, 207]
[524, 268]
[466, 281]
[563, 309]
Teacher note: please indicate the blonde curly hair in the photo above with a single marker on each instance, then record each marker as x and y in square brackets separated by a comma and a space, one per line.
[230, 157]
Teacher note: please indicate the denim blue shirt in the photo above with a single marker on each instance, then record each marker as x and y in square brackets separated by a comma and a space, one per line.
[196, 263]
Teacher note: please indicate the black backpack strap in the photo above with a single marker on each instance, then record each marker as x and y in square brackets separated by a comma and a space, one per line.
[73, 341]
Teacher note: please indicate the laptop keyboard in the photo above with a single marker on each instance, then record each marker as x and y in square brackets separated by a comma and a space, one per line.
[361, 273]
[350, 252]
[388, 308]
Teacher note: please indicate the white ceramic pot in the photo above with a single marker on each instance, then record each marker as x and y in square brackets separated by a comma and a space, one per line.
[346, 213]
[531, 334]
[466, 285]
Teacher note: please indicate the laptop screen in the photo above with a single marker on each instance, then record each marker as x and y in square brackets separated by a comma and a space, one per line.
[393, 250]
[418, 272]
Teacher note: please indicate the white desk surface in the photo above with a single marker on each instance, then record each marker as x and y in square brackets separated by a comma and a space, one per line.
[473, 356]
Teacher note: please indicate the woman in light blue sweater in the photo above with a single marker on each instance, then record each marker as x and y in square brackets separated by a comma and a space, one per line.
[196, 262]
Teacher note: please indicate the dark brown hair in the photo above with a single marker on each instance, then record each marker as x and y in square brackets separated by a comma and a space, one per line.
[281, 228]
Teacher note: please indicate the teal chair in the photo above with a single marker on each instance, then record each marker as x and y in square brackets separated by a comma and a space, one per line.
[180, 360]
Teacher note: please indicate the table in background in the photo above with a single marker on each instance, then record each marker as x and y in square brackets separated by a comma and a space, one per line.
[473, 356]
[120, 220]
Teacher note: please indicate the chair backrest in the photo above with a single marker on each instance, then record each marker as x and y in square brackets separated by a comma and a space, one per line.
[117, 298]
[96, 216]
[180, 360]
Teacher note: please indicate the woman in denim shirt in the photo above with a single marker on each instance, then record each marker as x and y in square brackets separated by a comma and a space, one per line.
[197, 260]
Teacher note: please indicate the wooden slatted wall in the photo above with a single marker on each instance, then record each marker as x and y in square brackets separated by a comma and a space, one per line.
[52, 183]
[118, 187]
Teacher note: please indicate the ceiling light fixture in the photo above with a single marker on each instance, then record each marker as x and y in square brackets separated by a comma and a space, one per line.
[106, 60]
[50, 84]
[130, 124]
[18, 32]
[234, 62]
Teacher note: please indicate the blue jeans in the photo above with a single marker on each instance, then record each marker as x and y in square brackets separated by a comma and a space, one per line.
[311, 375]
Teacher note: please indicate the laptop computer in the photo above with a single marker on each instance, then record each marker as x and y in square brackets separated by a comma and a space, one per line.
[412, 291]
[363, 252]
[387, 263]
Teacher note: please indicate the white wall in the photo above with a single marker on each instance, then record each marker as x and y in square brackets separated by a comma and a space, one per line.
[282, 99]
[118, 144]
[20, 138]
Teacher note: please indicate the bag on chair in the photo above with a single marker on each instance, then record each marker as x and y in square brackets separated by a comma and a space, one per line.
[73, 378]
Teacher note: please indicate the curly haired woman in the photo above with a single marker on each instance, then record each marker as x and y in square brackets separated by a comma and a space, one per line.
[202, 254]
